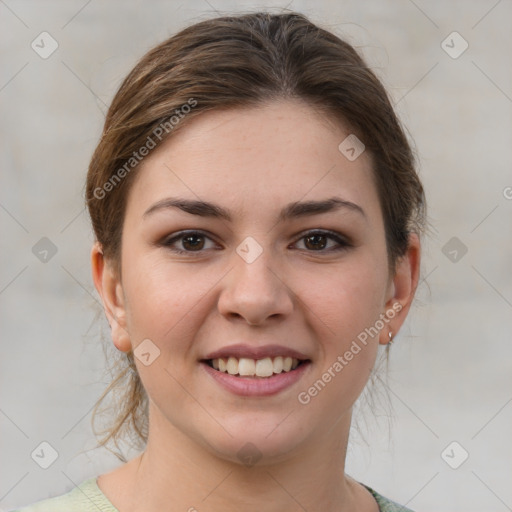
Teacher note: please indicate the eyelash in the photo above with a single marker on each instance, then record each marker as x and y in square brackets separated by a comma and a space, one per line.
[343, 244]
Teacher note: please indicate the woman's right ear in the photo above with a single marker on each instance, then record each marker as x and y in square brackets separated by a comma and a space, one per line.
[110, 289]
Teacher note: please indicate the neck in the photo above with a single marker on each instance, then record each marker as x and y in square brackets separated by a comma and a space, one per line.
[175, 473]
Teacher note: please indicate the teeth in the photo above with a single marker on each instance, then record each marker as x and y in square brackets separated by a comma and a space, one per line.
[232, 366]
[251, 367]
[264, 367]
[278, 364]
[246, 366]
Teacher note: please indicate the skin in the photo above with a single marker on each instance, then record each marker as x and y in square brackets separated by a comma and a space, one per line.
[251, 162]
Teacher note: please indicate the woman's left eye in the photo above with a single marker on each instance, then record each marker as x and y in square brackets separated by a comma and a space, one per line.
[317, 241]
[313, 241]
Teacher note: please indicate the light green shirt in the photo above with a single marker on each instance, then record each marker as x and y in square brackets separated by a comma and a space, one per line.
[87, 497]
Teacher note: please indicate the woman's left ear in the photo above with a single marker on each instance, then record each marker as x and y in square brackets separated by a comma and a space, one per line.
[402, 289]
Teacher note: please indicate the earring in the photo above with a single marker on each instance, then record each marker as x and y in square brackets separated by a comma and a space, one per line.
[390, 334]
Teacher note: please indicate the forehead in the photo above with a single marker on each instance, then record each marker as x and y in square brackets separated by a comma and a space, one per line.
[253, 158]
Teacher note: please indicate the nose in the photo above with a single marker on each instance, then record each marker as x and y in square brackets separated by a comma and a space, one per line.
[255, 292]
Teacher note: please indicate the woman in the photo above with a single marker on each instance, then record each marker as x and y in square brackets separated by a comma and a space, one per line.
[257, 218]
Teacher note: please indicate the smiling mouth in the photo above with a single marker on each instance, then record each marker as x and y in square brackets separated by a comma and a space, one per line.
[256, 368]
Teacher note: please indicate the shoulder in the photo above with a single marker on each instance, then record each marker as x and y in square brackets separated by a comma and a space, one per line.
[385, 504]
[87, 497]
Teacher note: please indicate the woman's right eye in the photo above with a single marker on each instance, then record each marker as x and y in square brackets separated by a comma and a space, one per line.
[190, 242]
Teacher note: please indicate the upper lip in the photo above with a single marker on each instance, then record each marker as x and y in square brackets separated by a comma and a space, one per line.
[252, 352]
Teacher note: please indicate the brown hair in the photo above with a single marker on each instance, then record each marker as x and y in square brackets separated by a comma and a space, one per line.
[242, 61]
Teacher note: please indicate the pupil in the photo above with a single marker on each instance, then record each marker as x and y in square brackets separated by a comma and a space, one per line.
[189, 240]
[315, 239]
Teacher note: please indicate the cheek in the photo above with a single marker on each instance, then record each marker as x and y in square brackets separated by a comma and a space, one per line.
[341, 310]
[165, 300]
[347, 297]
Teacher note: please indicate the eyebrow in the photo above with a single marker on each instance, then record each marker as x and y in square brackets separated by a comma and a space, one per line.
[290, 211]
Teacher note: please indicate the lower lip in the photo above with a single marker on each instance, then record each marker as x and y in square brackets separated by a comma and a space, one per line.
[257, 386]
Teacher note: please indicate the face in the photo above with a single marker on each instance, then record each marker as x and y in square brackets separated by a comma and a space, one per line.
[250, 239]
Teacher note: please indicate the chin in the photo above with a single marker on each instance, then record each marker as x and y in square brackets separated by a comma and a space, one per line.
[256, 442]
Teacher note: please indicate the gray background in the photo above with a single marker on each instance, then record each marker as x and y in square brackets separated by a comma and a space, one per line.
[450, 374]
